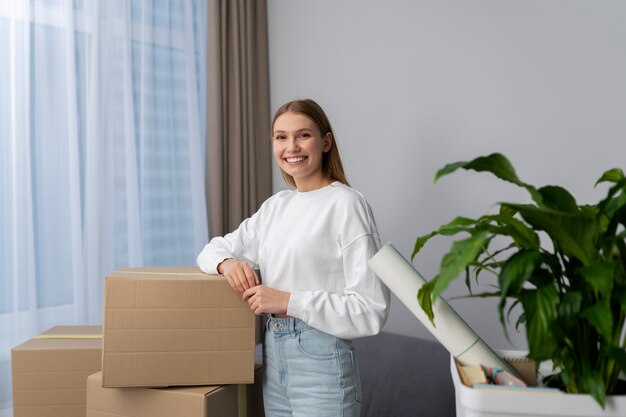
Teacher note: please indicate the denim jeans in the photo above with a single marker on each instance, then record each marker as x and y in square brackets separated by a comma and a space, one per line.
[308, 373]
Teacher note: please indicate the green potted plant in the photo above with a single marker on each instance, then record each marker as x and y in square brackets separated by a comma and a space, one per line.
[563, 262]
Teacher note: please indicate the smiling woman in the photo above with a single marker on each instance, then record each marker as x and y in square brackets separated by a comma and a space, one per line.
[311, 245]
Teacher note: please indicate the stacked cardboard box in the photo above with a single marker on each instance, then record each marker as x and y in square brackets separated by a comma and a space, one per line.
[49, 371]
[162, 327]
[201, 401]
[175, 326]
[154, 402]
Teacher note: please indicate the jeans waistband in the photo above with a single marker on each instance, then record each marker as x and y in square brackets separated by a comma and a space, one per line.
[286, 325]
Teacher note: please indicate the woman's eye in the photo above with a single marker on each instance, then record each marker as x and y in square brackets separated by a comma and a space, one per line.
[279, 137]
[304, 135]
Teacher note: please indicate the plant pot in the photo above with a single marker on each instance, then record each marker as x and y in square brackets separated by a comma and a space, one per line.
[513, 402]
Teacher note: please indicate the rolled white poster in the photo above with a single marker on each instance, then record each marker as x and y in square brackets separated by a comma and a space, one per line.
[451, 331]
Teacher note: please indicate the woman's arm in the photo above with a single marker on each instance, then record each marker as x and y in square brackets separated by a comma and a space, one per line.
[360, 310]
[234, 255]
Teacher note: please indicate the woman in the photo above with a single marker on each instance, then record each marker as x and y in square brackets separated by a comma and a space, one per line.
[311, 245]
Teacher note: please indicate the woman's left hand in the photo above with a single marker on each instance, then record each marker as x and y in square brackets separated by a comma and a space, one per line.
[263, 299]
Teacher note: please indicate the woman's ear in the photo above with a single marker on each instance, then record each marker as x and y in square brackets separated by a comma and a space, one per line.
[327, 142]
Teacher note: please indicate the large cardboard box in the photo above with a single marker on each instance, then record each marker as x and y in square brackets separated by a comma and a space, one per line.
[175, 326]
[49, 371]
[202, 401]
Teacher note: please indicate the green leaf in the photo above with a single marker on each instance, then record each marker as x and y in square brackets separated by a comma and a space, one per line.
[510, 309]
[619, 293]
[592, 383]
[425, 300]
[522, 235]
[468, 282]
[569, 306]
[574, 233]
[543, 276]
[619, 355]
[612, 175]
[600, 276]
[540, 308]
[600, 317]
[461, 254]
[495, 163]
[551, 265]
[459, 224]
[478, 295]
[420, 242]
[566, 378]
[617, 216]
[507, 211]
[449, 168]
[611, 203]
[520, 320]
[517, 269]
[557, 198]
[491, 257]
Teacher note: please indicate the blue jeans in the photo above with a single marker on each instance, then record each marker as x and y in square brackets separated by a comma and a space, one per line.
[308, 373]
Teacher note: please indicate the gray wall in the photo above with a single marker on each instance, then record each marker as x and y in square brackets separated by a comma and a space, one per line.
[412, 85]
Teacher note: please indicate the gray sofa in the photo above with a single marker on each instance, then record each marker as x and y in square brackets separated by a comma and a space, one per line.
[403, 376]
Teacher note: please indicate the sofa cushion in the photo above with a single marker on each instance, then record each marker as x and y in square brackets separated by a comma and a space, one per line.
[404, 376]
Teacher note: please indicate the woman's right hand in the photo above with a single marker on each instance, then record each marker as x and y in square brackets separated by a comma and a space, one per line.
[239, 274]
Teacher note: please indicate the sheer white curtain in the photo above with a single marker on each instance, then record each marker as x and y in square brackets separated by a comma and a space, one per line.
[101, 144]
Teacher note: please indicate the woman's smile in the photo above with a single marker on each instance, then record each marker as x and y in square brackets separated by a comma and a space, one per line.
[294, 160]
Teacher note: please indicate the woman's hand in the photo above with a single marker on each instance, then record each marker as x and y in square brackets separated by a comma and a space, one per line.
[239, 274]
[263, 299]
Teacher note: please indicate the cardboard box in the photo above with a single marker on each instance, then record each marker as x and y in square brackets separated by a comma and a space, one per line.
[160, 402]
[526, 369]
[49, 371]
[203, 401]
[175, 326]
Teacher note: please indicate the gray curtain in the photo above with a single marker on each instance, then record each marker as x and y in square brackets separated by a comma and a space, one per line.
[238, 154]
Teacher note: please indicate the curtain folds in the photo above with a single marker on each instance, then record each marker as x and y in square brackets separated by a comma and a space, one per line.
[238, 154]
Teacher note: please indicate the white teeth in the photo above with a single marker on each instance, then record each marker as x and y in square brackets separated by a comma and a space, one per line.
[296, 159]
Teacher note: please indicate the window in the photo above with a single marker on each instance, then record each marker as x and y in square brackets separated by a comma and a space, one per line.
[101, 144]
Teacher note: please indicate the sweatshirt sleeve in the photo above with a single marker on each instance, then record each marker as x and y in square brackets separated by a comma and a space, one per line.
[242, 244]
[361, 309]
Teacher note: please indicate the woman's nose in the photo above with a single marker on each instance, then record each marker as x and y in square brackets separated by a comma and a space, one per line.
[293, 145]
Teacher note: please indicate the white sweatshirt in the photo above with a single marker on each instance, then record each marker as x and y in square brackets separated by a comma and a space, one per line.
[314, 245]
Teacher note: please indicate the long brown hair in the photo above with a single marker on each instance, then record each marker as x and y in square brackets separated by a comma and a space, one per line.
[332, 168]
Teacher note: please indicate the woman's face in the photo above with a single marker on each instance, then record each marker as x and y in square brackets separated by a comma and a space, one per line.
[298, 148]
